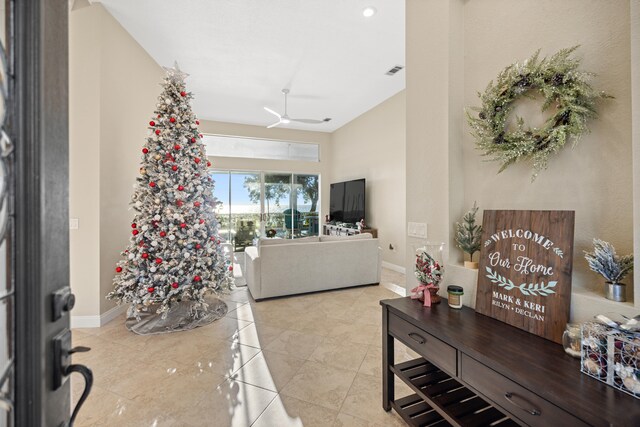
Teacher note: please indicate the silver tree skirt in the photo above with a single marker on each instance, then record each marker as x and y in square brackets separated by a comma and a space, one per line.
[183, 316]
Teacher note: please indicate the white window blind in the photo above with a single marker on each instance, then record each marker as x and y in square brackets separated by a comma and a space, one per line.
[257, 148]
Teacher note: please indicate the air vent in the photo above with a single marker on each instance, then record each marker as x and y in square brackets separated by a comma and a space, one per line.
[327, 119]
[394, 70]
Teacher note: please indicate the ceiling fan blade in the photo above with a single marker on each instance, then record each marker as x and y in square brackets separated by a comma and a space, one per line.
[273, 112]
[313, 121]
[274, 125]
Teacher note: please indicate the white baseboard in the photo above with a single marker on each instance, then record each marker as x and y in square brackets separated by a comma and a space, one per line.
[97, 321]
[395, 288]
[394, 267]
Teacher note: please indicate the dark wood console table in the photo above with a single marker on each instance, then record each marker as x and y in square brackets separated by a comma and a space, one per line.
[477, 371]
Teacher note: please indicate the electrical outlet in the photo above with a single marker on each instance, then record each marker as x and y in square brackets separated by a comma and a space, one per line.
[74, 223]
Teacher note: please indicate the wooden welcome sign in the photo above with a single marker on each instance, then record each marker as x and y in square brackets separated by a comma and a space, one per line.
[524, 277]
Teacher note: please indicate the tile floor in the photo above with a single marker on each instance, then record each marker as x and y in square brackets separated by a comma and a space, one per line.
[310, 360]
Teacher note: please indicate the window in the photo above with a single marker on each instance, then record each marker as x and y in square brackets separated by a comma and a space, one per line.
[270, 204]
[256, 148]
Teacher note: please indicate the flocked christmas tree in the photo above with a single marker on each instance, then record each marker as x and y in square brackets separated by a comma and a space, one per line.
[469, 234]
[174, 253]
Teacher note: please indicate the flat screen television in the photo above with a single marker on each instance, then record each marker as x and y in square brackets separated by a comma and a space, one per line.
[346, 201]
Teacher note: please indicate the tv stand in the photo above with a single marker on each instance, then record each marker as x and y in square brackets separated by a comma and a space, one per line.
[336, 230]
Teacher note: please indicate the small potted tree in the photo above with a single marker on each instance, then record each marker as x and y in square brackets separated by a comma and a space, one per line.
[604, 261]
[469, 236]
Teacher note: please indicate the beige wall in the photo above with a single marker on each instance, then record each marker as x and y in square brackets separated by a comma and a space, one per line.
[595, 179]
[129, 76]
[372, 146]
[84, 155]
[113, 88]
[433, 169]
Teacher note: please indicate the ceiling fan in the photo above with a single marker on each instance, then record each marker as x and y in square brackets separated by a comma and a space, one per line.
[285, 119]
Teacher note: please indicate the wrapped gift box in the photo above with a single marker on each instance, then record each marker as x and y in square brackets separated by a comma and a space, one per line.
[612, 356]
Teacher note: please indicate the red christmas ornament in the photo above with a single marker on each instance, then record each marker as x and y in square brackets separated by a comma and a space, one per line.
[231, 268]
[183, 225]
[118, 269]
[198, 246]
[196, 174]
[172, 119]
[162, 234]
[196, 278]
[218, 241]
[196, 204]
[197, 160]
[152, 123]
[174, 285]
[193, 140]
[141, 244]
[145, 255]
[134, 225]
[183, 93]
[180, 188]
[145, 151]
[155, 224]
[200, 135]
[197, 122]
[176, 147]
[179, 203]
[152, 184]
[134, 232]
[157, 131]
[174, 168]
[158, 260]
[201, 221]
[208, 164]
[158, 115]
[151, 289]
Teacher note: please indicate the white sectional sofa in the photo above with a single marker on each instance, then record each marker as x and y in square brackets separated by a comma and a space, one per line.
[278, 267]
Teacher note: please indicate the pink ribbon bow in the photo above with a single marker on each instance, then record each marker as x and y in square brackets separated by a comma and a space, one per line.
[424, 288]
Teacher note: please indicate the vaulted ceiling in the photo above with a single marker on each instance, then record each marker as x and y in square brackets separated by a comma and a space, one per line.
[240, 54]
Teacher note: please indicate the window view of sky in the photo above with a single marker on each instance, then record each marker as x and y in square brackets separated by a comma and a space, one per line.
[241, 200]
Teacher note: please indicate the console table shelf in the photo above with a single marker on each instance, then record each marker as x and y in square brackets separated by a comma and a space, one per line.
[476, 371]
[442, 398]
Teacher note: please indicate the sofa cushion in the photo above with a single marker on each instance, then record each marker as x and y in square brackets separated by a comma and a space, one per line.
[267, 242]
[352, 237]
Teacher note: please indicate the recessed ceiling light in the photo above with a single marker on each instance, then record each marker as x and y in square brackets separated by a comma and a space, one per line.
[369, 11]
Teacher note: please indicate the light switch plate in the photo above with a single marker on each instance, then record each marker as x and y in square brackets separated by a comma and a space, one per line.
[417, 229]
[74, 223]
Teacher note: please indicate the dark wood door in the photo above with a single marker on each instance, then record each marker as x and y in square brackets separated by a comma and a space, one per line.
[34, 152]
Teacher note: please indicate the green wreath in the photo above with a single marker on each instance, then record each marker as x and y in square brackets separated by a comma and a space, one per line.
[561, 84]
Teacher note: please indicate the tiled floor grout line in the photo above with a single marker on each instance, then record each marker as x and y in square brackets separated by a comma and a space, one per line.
[330, 306]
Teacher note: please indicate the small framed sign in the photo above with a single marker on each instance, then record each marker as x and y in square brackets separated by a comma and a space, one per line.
[524, 276]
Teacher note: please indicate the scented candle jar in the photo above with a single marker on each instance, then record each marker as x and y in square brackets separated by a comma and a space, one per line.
[455, 296]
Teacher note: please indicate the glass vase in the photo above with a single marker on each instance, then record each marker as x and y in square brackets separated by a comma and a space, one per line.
[571, 339]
